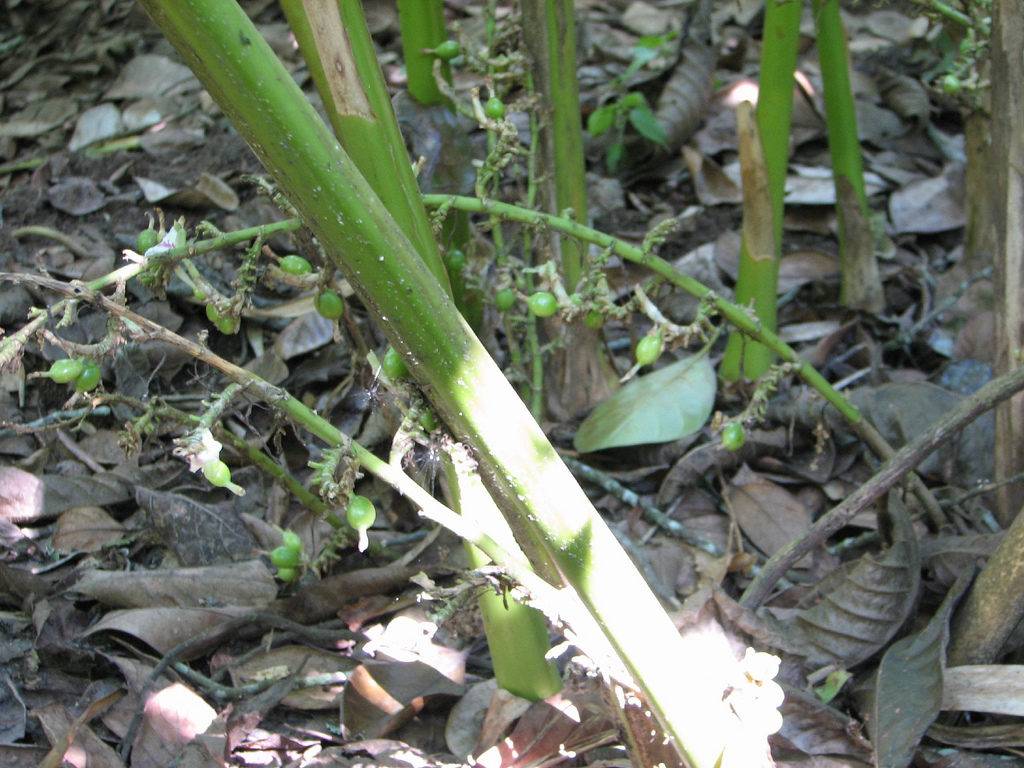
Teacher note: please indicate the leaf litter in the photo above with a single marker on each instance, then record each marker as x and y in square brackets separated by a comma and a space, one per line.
[105, 572]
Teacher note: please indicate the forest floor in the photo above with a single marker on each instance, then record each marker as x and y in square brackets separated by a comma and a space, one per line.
[113, 554]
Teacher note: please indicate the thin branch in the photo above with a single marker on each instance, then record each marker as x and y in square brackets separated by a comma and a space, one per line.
[887, 477]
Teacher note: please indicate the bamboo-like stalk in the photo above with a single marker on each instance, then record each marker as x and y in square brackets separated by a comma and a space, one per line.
[421, 25]
[356, 100]
[861, 287]
[551, 516]
[550, 36]
[516, 634]
[380, 148]
[758, 278]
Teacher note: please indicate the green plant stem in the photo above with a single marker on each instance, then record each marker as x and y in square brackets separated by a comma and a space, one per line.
[421, 24]
[356, 99]
[550, 36]
[268, 466]
[375, 142]
[861, 287]
[736, 315]
[758, 278]
[517, 635]
[553, 520]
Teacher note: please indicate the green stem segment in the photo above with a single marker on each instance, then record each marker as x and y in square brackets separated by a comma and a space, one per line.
[861, 287]
[421, 23]
[356, 99]
[516, 634]
[758, 278]
[533, 488]
[375, 142]
[551, 40]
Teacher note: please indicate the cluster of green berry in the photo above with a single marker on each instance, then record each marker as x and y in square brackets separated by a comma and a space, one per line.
[84, 374]
[287, 558]
[327, 303]
[449, 50]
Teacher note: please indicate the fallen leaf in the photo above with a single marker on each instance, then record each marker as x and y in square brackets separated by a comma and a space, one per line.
[173, 717]
[148, 76]
[927, 206]
[909, 688]
[96, 124]
[381, 696]
[669, 404]
[21, 496]
[711, 184]
[768, 514]
[244, 583]
[164, 628]
[302, 661]
[38, 118]
[995, 688]
[563, 725]
[86, 529]
[868, 603]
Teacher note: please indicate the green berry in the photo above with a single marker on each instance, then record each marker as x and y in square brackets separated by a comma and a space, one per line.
[65, 371]
[285, 557]
[212, 314]
[951, 84]
[199, 294]
[494, 108]
[295, 265]
[593, 319]
[543, 304]
[147, 239]
[448, 50]
[287, 575]
[291, 540]
[217, 473]
[505, 299]
[428, 420]
[360, 513]
[330, 305]
[455, 260]
[649, 348]
[393, 365]
[89, 378]
[733, 436]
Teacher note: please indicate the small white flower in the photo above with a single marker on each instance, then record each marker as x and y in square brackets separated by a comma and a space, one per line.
[200, 450]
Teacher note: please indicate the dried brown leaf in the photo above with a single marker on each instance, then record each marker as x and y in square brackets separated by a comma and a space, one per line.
[769, 515]
[86, 529]
[164, 628]
[247, 583]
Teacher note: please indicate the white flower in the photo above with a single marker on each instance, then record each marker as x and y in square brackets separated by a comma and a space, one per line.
[199, 450]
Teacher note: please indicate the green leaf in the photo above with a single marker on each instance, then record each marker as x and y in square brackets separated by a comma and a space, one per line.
[633, 99]
[601, 119]
[613, 156]
[669, 404]
[647, 125]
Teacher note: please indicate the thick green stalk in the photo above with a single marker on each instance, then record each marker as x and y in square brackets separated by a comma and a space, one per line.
[534, 489]
[356, 100]
[377, 146]
[758, 278]
[516, 635]
[861, 287]
[550, 35]
[421, 23]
